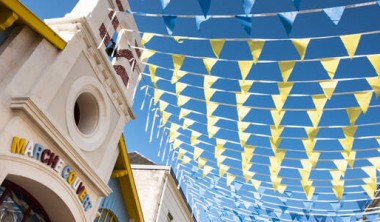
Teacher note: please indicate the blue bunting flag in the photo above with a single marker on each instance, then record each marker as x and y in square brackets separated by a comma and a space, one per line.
[247, 5]
[287, 19]
[205, 6]
[246, 22]
[170, 21]
[334, 13]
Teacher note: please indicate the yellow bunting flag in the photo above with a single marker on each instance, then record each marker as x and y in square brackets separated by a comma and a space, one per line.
[208, 81]
[255, 47]
[223, 169]
[206, 171]
[242, 126]
[370, 192]
[197, 152]
[363, 99]
[312, 132]
[212, 130]
[349, 156]
[182, 100]
[241, 98]
[220, 160]
[165, 117]
[313, 158]
[179, 87]
[211, 107]
[374, 82]
[375, 161]
[274, 144]
[349, 131]
[286, 68]
[309, 145]
[281, 188]
[181, 153]
[209, 63]
[245, 68]
[301, 46]
[177, 75]
[180, 39]
[245, 85]
[276, 132]
[217, 46]
[315, 116]
[242, 111]
[209, 92]
[183, 113]
[249, 149]
[338, 188]
[194, 141]
[305, 174]
[212, 120]
[353, 114]
[187, 123]
[230, 179]
[146, 54]
[306, 164]
[319, 101]
[351, 43]
[157, 95]
[330, 65]
[185, 160]
[375, 61]
[163, 105]
[370, 171]
[328, 87]
[256, 184]
[372, 182]
[284, 89]
[309, 191]
[152, 71]
[248, 175]
[201, 162]
[177, 61]
[277, 116]
[244, 137]
[173, 134]
[146, 38]
[278, 102]
[341, 165]
[177, 144]
[347, 143]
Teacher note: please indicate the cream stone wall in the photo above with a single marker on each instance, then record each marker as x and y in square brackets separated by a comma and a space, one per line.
[39, 86]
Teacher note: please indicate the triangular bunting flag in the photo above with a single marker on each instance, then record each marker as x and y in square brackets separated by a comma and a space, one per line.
[179, 87]
[256, 184]
[211, 107]
[209, 63]
[351, 43]
[146, 54]
[247, 5]
[349, 131]
[334, 13]
[287, 20]
[248, 176]
[347, 143]
[246, 22]
[301, 46]
[311, 132]
[242, 126]
[277, 116]
[245, 85]
[230, 179]
[353, 114]
[185, 160]
[350, 157]
[199, 19]
[315, 116]
[187, 123]
[157, 95]
[197, 151]
[278, 102]
[205, 6]
[245, 68]
[182, 100]
[241, 98]
[164, 3]
[328, 87]
[169, 21]
[319, 101]
[146, 38]
[177, 61]
[330, 65]
[363, 99]
[375, 84]
[255, 48]
[206, 170]
[223, 169]
[152, 71]
[242, 111]
[177, 75]
[286, 68]
[163, 105]
[201, 162]
[217, 46]
[183, 113]
[276, 132]
[284, 89]
[341, 165]
[165, 117]
[375, 62]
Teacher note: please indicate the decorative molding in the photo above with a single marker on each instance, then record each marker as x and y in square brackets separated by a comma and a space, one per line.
[32, 110]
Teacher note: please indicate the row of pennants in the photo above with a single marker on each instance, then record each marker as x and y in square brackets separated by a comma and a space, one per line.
[287, 18]
[350, 42]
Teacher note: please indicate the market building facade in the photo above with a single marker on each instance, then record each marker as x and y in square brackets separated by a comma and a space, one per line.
[64, 103]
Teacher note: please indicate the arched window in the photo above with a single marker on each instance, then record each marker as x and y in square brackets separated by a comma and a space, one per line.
[16, 204]
[106, 215]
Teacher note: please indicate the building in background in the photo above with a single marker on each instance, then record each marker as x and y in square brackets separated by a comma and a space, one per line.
[64, 103]
[160, 199]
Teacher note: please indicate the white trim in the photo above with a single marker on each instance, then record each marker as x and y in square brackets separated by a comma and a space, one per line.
[149, 167]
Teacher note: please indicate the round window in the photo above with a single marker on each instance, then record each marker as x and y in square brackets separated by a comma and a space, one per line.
[86, 113]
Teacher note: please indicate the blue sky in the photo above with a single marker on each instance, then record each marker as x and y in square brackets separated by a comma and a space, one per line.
[308, 25]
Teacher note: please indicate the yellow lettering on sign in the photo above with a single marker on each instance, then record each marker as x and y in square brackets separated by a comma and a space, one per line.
[18, 145]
